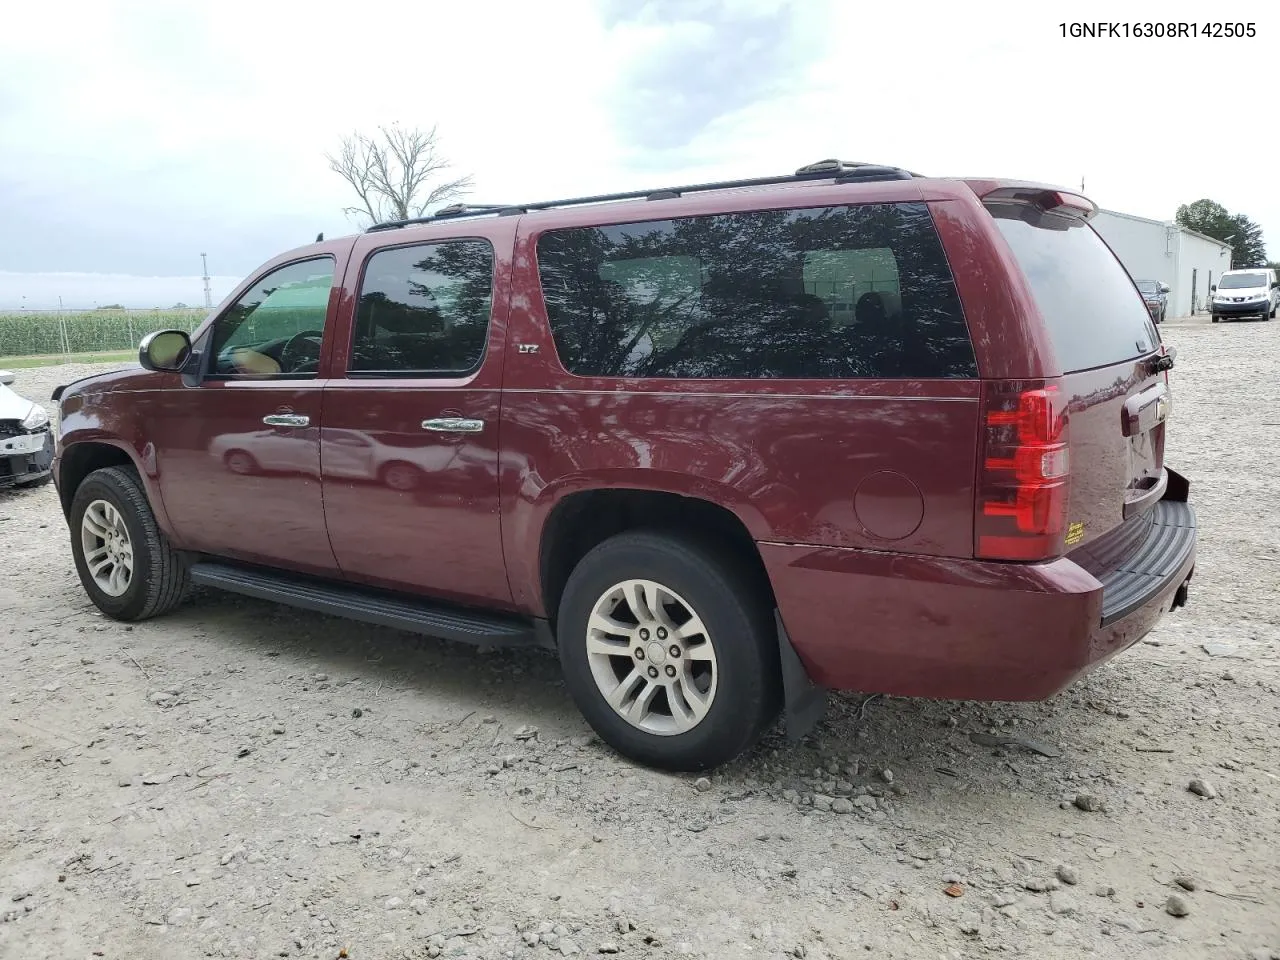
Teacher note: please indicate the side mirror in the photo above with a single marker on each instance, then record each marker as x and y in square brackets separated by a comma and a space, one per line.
[1164, 288]
[1213, 288]
[166, 351]
[6, 377]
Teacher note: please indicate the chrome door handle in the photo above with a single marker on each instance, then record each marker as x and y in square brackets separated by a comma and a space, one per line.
[286, 420]
[453, 425]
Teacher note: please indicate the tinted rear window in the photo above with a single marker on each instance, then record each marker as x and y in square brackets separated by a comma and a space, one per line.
[831, 292]
[1094, 315]
[424, 310]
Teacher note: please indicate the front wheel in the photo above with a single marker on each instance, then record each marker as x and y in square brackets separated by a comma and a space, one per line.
[1215, 318]
[669, 651]
[126, 564]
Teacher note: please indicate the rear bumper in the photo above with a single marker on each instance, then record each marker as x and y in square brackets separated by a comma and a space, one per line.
[973, 630]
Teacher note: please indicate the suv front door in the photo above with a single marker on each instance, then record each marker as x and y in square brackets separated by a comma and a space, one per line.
[409, 445]
[238, 452]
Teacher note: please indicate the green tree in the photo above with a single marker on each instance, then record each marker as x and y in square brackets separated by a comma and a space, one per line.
[1237, 230]
[1248, 248]
[1207, 217]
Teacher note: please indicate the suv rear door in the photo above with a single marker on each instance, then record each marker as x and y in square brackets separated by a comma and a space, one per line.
[410, 439]
[1116, 397]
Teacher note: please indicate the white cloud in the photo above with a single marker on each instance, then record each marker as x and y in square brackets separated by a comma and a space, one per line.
[138, 134]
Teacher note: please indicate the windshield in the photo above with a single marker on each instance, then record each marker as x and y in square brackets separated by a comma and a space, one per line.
[1239, 281]
[1148, 286]
[1084, 293]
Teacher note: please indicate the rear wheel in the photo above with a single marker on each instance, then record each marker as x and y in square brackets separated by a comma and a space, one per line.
[126, 564]
[669, 651]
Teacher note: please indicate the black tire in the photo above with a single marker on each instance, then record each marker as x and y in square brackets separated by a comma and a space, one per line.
[1216, 318]
[160, 580]
[400, 476]
[241, 463]
[731, 603]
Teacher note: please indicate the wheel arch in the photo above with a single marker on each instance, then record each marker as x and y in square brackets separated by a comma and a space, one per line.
[79, 459]
[581, 519]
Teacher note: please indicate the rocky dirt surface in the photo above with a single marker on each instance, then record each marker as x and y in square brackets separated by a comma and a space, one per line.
[241, 780]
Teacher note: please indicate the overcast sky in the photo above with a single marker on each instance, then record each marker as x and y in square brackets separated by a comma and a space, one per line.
[136, 135]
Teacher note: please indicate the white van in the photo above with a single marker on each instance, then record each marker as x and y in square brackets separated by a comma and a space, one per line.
[1251, 292]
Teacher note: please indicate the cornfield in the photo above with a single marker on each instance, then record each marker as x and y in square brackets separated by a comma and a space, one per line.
[32, 334]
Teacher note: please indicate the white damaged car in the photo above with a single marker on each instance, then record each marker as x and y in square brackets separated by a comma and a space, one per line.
[26, 442]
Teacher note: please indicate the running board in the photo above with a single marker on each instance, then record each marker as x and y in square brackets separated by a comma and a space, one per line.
[385, 610]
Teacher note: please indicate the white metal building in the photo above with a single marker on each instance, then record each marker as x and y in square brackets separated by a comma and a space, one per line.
[1187, 261]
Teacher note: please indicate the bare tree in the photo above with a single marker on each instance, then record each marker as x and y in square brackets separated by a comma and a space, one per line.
[395, 173]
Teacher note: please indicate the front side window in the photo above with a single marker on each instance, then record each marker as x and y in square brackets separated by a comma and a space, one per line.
[424, 310]
[276, 328]
[831, 292]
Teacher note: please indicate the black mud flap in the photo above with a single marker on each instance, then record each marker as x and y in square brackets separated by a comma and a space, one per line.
[1179, 487]
[805, 701]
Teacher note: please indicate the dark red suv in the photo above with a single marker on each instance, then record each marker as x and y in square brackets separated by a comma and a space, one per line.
[723, 447]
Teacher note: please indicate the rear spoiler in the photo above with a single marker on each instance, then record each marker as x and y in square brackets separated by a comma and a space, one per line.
[1055, 200]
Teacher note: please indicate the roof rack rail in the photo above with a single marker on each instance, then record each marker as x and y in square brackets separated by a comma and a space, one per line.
[839, 170]
[444, 213]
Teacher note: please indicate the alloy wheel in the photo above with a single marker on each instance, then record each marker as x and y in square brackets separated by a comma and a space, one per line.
[108, 550]
[652, 657]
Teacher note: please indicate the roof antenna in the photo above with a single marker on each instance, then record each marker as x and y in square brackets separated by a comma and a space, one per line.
[319, 237]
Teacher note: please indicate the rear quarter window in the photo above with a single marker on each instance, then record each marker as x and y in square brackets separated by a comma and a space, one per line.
[819, 293]
[1095, 315]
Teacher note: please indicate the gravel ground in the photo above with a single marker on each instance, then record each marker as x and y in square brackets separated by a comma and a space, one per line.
[242, 780]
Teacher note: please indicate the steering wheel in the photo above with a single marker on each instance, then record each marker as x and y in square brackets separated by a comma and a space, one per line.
[306, 346]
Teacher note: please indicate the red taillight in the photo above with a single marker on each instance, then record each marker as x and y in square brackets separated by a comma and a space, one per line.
[1022, 487]
[1069, 203]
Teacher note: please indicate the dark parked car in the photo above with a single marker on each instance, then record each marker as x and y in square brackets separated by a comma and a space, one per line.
[722, 447]
[1156, 297]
